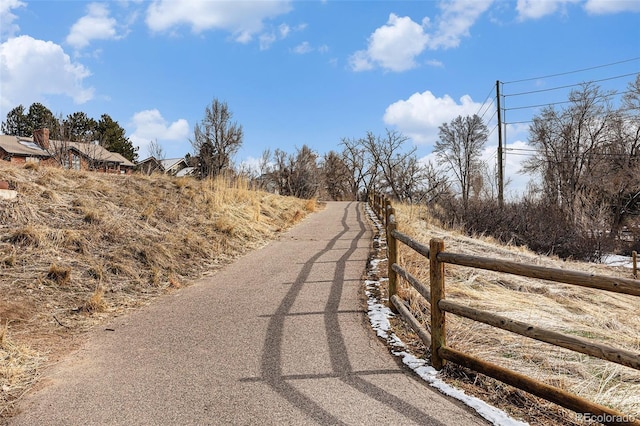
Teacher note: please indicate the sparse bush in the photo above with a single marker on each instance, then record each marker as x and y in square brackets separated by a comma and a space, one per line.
[538, 225]
[96, 302]
[91, 216]
[26, 236]
[59, 275]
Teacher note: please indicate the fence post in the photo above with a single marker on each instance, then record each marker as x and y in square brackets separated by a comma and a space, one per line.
[392, 256]
[635, 264]
[438, 329]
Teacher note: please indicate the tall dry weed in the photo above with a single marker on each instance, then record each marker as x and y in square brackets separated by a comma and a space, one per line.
[96, 302]
[600, 316]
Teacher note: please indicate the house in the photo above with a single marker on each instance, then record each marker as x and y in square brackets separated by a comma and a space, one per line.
[19, 150]
[170, 166]
[149, 165]
[70, 155]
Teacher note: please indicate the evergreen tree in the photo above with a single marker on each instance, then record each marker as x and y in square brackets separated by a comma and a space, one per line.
[40, 117]
[78, 127]
[16, 123]
[112, 137]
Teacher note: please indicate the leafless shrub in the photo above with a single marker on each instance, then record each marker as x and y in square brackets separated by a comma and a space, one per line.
[540, 226]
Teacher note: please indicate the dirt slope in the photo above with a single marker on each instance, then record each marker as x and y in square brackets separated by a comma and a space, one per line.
[77, 248]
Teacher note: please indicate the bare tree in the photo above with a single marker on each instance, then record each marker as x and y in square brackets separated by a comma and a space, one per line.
[391, 160]
[459, 147]
[296, 175]
[361, 169]
[568, 142]
[155, 150]
[420, 183]
[618, 176]
[338, 179]
[216, 139]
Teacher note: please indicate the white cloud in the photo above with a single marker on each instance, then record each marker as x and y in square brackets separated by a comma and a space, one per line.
[7, 27]
[149, 125]
[435, 63]
[32, 69]
[599, 7]
[284, 30]
[455, 21]
[359, 61]
[281, 32]
[420, 116]
[535, 9]
[303, 48]
[243, 19]
[266, 40]
[95, 25]
[396, 45]
[393, 46]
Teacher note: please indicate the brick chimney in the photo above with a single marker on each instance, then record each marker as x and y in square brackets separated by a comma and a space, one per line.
[41, 137]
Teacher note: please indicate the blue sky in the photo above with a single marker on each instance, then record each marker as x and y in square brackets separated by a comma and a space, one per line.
[310, 72]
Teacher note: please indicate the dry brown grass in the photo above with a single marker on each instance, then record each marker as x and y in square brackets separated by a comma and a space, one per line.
[19, 370]
[604, 317]
[77, 248]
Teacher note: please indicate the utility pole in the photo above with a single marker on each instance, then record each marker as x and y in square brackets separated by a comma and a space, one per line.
[500, 166]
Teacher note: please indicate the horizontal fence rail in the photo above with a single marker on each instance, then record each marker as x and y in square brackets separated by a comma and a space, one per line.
[618, 285]
[434, 293]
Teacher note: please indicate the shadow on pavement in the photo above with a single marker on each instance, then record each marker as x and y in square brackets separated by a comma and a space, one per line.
[271, 365]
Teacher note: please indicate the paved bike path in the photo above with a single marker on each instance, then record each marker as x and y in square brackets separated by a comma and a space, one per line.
[278, 337]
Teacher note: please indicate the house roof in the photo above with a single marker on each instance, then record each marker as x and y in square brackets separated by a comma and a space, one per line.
[149, 160]
[120, 159]
[92, 151]
[22, 146]
[169, 163]
[186, 171]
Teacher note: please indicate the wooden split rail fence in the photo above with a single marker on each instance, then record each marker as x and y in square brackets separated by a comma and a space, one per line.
[434, 293]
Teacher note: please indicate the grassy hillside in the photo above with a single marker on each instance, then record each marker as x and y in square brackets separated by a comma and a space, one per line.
[77, 248]
[608, 318]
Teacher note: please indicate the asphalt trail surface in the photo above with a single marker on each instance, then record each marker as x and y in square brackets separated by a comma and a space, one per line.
[279, 337]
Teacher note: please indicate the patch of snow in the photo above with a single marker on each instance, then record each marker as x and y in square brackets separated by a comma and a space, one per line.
[379, 315]
[617, 260]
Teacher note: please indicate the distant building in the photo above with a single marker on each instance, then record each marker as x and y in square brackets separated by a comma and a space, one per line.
[170, 166]
[69, 155]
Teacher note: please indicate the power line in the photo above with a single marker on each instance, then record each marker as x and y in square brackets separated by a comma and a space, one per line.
[531, 151]
[493, 115]
[570, 85]
[489, 95]
[518, 122]
[492, 130]
[537, 106]
[603, 96]
[626, 118]
[487, 110]
[573, 72]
